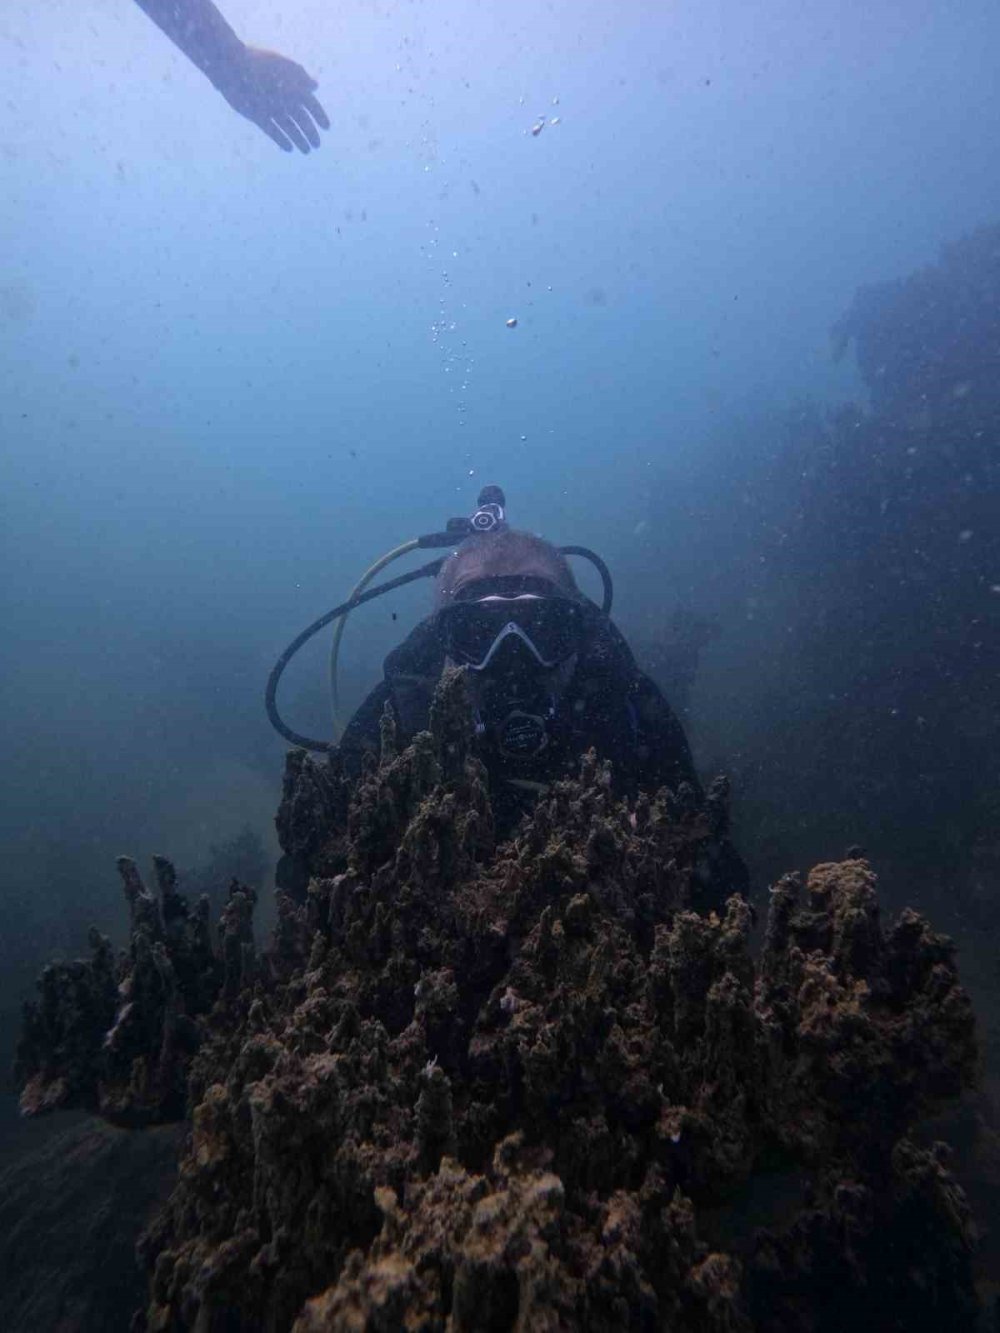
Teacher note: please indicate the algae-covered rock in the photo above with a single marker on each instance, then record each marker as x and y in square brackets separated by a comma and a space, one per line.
[530, 1085]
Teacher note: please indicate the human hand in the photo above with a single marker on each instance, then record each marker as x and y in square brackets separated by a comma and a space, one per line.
[277, 95]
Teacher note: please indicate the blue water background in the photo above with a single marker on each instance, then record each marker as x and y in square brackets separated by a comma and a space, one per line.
[231, 378]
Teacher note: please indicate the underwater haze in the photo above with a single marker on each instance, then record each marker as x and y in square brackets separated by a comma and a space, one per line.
[232, 377]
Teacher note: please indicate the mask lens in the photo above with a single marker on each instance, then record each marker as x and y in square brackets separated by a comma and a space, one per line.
[551, 626]
[470, 629]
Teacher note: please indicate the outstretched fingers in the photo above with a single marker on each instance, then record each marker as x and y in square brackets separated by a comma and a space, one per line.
[312, 105]
[285, 121]
[274, 133]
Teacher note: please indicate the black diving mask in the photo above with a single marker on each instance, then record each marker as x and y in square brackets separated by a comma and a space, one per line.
[489, 612]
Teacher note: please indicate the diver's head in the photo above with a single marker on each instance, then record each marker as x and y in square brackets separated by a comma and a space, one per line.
[510, 612]
[507, 601]
[498, 555]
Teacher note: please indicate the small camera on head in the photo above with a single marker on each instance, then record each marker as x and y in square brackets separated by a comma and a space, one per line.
[489, 515]
[487, 519]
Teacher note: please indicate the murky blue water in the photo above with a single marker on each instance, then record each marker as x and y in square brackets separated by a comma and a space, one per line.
[232, 377]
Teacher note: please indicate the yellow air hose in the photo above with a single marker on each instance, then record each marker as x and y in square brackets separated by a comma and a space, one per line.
[338, 632]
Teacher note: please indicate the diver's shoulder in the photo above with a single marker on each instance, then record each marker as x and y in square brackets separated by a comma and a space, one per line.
[419, 651]
[607, 648]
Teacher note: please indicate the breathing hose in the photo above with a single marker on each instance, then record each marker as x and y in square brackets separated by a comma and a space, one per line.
[345, 608]
[338, 632]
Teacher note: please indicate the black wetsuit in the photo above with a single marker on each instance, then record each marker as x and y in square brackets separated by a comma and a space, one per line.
[608, 703]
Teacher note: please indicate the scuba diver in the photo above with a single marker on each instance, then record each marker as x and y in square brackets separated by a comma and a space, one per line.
[549, 676]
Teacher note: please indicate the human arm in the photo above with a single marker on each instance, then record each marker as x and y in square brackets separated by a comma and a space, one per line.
[265, 87]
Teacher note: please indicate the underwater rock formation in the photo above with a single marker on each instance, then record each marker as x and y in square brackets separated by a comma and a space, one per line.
[240, 857]
[524, 1086]
[891, 553]
[115, 1035]
[935, 332]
